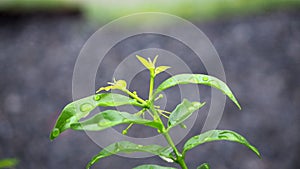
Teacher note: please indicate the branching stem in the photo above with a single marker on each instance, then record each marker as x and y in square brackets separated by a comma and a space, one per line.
[165, 132]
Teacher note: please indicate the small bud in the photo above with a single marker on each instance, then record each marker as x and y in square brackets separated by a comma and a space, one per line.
[124, 132]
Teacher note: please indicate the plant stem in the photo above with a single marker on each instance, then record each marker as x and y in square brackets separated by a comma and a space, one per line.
[151, 85]
[165, 132]
[182, 163]
[135, 97]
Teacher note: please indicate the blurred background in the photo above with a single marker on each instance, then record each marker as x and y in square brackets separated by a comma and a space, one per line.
[258, 42]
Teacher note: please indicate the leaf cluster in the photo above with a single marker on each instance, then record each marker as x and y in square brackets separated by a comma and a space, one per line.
[72, 115]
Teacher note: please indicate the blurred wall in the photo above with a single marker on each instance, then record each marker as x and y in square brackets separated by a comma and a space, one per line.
[261, 59]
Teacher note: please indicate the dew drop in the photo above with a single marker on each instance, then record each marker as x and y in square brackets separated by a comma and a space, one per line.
[104, 123]
[86, 107]
[206, 139]
[196, 104]
[205, 78]
[140, 146]
[191, 108]
[68, 120]
[97, 97]
[124, 120]
[55, 132]
[196, 137]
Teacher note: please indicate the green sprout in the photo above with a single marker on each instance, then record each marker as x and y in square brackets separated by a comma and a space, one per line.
[74, 111]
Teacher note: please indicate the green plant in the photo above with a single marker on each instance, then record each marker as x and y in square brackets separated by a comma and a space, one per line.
[73, 112]
[8, 163]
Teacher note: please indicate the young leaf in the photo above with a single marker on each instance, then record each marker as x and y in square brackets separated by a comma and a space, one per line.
[125, 147]
[155, 59]
[8, 162]
[216, 135]
[110, 118]
[197, 79]
[160, 69]
[78, 109]
[120, 84]
[183, 111]
[204, 166]
[150, 166]
[146, 63]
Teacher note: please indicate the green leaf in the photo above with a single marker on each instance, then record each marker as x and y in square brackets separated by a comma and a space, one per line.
[110, 118]
[150, 166]
[216, 135]
[183, 111]
[120, 85]
[160, 69]
[125, 147]
[197, 79]
[204, 166]
[8, 162]
[147, 64]
[78, 109]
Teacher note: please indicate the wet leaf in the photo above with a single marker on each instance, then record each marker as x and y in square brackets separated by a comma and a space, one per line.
[217, 135]
[110, 118]
[150, 166]
[183, 111]
[78, 109]
[197, 79]
[125, 147]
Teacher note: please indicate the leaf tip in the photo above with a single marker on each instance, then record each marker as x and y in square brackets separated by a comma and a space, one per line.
[204, 166]
[54, 133]
[154, 60]
[256, 152]
[238, 105]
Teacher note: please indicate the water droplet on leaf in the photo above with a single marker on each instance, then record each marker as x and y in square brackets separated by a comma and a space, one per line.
[86, 107]
[97, 97]
[191, 108]
[205, 78]
[196, 104]
[104, 123]
[55, 132]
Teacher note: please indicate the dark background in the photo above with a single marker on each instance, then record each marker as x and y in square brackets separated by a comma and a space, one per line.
[260, 54]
